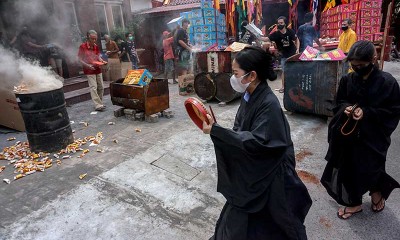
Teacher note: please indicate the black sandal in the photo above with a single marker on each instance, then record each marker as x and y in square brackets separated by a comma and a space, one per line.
[346, 213]
[376, 205]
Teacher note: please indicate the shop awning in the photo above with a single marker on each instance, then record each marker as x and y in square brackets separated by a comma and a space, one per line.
[169, 8]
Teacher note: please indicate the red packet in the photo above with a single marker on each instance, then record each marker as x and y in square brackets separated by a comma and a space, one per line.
[309, 54]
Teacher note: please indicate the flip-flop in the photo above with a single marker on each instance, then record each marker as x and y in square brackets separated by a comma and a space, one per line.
[346, 213]
[376, 205]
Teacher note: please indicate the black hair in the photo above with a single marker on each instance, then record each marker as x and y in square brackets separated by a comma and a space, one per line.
[362, 51]
[256, 59]
[348, 20]
[309, 17]
[185, 20]
[283, 18]
[244, 23]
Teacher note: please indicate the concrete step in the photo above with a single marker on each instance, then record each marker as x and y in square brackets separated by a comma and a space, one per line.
[76, 83]
[82, 94]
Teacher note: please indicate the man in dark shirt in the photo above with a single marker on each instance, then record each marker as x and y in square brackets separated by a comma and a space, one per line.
[307, 34]
[183, 49]
[286, 42]
[123, 55]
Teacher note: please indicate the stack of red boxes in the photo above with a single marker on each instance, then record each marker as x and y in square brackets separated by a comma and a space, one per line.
[366, 16]
[370, 20]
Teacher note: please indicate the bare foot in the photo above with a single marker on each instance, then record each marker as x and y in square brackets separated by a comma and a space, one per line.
[347, 212]
[377, 202]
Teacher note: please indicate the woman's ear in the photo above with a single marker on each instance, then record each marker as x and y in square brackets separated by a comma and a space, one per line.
[253, 76]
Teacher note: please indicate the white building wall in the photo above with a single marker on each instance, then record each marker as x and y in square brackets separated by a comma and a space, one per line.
[137, 5]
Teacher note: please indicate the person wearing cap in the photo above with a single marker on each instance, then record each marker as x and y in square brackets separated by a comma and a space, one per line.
[169, 57]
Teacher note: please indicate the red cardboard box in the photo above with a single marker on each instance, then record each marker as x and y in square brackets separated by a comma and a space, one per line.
[370, 4]
[375, 12]
[365, 30]
[366, 22]
[377, 4]
[367, 37]
[366, 4]
[378, 36]
[345, 8]
[376, 21]
[335, 17]
[375, 29]
[366, 13]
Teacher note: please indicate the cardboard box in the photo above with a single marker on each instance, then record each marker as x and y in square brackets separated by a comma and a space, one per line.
[197, 13]
[366, 22]
[376, 21]
[378, 36]
[105, 71]
[10, 115]
[365, 30]
[367, 37]
[210, 12]
[205, 36]
[196, 21]
[206, 4]
[370, 4]
[346, 7]
[186, 84]
[118, 69]
[141, 77]
[365, 13]
[209, 20]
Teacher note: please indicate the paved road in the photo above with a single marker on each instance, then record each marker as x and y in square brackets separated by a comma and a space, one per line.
[160, 183]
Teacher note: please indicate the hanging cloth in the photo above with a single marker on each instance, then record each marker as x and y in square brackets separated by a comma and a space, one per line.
[330, 4]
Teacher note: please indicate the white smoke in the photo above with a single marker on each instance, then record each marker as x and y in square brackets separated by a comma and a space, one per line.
[47, 22]
[15, 71]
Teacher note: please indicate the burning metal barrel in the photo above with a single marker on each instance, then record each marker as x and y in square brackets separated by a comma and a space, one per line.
[204, 86]
[46, 120]
[225, 92]
[212, 80]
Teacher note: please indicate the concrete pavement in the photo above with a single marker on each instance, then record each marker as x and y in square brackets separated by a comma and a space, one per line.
[160, 183]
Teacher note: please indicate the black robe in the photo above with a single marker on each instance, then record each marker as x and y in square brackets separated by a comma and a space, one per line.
[256, 174]
[357, 166]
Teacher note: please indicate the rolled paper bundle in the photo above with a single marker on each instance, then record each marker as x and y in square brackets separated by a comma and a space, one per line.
[197, 111]
[98, 63]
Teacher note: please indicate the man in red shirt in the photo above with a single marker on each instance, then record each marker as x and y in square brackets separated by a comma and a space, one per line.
[168, 55]
[89, 56]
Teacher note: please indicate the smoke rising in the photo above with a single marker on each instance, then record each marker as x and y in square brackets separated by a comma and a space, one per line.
[48, 21]
[15, 71]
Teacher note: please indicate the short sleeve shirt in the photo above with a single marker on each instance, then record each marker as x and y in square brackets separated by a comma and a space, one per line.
[124, 54]
[167, 45]
[306, 35]
[112, 46]
[182, 35]
[285, 42]
[89, 54]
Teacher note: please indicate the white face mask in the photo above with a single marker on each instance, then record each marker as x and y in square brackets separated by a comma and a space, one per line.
[237, 84]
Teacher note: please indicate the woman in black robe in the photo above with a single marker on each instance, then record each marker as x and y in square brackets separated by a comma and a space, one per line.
[356, 163]
[265, 199]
